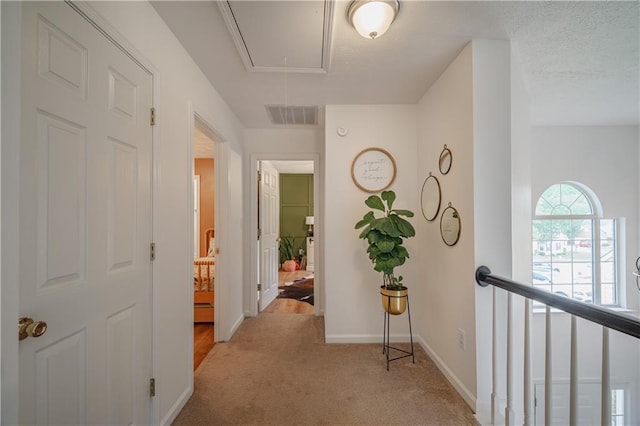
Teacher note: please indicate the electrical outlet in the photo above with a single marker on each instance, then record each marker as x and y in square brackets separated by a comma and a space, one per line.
[462, 340]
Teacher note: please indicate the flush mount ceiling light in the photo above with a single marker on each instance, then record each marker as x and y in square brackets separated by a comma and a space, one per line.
[372, 18]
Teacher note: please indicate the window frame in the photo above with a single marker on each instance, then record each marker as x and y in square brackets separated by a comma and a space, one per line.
[596, 242]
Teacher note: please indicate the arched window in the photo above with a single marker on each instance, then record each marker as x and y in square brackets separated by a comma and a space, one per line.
[574, 249]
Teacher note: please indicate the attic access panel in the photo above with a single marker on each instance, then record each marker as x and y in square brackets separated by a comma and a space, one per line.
[279, 35]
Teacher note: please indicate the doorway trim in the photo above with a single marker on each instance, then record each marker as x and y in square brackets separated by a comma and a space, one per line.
[250, 289]
[220, 196]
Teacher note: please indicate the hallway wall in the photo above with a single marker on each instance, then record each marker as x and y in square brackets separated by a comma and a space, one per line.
[353, 309]
[468, 108]
[447, 294]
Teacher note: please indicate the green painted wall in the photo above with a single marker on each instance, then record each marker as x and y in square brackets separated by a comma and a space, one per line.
[296, 203]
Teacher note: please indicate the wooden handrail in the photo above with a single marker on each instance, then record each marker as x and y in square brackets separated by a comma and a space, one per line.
[614, 320]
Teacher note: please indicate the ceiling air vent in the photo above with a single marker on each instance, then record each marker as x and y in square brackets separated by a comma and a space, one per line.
[293, 115]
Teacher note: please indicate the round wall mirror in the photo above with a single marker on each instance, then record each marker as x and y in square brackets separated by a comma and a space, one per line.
[430, 197]
[450, 225]
[446, 158]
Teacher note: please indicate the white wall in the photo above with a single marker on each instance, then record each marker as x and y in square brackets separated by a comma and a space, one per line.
[236, 267]
[230, 266]
[447, 293]
[468, 108]
[492, 186]
[178, 83]
[292, 140]
[605, 159]
[353, 311]
[520, 221]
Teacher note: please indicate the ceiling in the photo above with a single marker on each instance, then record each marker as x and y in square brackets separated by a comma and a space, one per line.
[579, 60]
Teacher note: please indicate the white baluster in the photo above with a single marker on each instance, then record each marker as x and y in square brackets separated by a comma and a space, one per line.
[547, 369]
[527, 363]
[573, 375]
[509, 415]
[606, 385]
[494, 362]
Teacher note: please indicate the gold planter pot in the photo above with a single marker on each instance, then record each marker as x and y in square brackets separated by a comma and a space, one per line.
[394, 301]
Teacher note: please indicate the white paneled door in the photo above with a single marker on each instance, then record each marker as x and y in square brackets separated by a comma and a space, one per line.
[85, 224]
[269, 230]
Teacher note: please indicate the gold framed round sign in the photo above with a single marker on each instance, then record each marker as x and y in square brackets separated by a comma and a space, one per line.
[373, 170]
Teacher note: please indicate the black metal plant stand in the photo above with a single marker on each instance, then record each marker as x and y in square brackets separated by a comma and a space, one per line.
[385, 342]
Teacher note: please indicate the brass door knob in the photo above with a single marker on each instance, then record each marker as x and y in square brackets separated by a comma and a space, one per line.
[27, 327]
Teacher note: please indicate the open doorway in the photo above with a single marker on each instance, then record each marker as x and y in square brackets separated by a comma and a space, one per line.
[204, 249]
[287, 241]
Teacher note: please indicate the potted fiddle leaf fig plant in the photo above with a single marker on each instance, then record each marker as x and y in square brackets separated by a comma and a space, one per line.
[385, 234]
[287, 254]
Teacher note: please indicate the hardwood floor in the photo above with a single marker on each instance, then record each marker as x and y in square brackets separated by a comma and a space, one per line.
[288, 306]
[203, 341]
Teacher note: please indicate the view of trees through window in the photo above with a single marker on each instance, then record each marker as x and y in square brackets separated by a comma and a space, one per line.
[574, 251]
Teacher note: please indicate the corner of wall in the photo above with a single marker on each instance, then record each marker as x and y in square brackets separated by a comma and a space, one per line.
[446, 116]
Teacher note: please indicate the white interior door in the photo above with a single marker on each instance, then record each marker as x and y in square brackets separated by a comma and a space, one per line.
[85, 225]
[269, 230]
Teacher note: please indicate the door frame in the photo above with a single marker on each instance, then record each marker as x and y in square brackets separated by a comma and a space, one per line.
[219, 196]
[250, 289]
[11, 30]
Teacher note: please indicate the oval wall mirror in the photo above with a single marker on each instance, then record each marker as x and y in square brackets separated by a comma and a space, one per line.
[450, 225]
[430, 197]
[445, 160]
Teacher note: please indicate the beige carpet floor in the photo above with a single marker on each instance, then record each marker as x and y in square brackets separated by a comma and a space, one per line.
[277, 370]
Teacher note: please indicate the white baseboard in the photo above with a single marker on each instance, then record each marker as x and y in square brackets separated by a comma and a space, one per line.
[351, 338]
[365, 338]
[235, 326]
[177, 407]
[466, 394]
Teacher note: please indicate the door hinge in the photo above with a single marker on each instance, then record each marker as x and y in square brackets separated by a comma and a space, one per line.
[152, 387]
[259, 287]
[153, 116]
[153, 251]
[259, 176]
[259, 233]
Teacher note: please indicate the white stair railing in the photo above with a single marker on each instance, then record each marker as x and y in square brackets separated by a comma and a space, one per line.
[608, 319]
